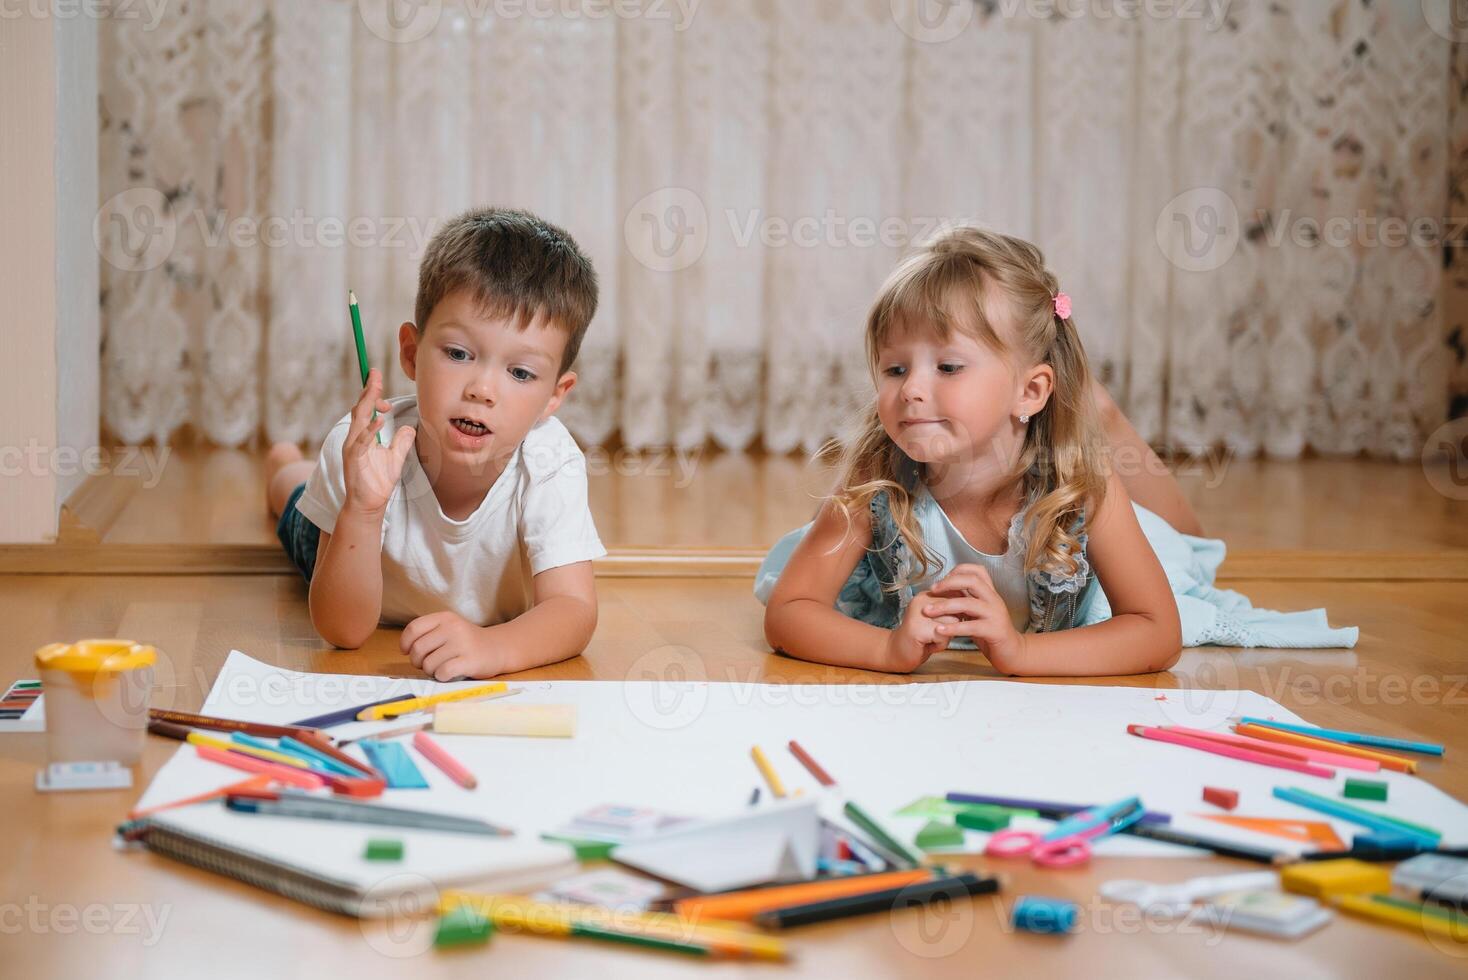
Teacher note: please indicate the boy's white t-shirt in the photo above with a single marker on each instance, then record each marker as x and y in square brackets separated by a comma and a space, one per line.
[534, 517]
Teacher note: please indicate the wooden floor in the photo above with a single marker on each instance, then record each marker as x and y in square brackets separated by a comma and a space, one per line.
[1371, 542]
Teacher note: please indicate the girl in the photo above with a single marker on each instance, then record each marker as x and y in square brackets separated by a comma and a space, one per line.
[974, 505]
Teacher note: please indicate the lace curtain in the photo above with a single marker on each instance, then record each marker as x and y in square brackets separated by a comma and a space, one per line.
[745, 172]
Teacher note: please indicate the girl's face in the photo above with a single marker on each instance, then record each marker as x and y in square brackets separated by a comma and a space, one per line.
[945, 401]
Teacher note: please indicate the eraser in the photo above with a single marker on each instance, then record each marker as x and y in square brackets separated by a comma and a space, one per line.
[980, 817]
[1225, 798]
[1319, 879]
[462, 926]
[489, 718]
[1364, 789]
[393, 761]
[937, 834]
[384, 849]
[1035, 913]
[64, 776]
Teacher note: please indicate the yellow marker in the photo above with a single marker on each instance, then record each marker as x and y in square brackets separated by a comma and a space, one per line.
[554, 919]
[1421, 920]
[393, 708]
[224, 745]
[766, 770]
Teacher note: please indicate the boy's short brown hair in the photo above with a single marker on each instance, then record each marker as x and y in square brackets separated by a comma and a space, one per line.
[517, 265]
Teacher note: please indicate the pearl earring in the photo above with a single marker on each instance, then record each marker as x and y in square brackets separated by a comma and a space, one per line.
[1023, 419]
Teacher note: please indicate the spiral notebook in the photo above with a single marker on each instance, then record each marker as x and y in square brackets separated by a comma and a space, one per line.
[323, 863]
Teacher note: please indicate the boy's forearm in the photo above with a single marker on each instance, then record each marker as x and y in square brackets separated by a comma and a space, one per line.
[346, 585]
[810, 630]
[1130, 643]
[552, 630]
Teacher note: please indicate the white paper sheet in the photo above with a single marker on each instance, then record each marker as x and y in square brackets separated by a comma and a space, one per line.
[684, 747]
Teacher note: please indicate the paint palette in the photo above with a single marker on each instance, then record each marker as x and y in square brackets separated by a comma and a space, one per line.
[21, 708]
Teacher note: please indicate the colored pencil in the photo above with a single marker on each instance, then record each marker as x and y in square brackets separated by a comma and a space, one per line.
[279, 758]
[887, 900]
[388, 733]
[392, 710]
[1300, 753]
[1048, 809]
[304, 778]
[768, 771]
[169, 730]
[1354, 814]
[875, 830]
[1383, 854]
[1223, 848]
[323, 745]
[1368, 906]
[1354, 738]
[1232, 752]
[343, 715]
[743, 906]
[514, 912]
[298, 804]
[811, 765]
[1387, 761]
[440, 757]
[225, 724]
[361, 342]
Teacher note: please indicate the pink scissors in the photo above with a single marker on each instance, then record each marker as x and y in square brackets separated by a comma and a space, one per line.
[1069, 842]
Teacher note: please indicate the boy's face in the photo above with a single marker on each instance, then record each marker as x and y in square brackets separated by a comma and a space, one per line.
[482, 384]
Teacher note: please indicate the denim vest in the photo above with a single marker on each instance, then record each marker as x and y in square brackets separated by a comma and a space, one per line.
[1056, 602]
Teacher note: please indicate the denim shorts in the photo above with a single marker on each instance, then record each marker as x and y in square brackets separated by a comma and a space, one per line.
[298, 536]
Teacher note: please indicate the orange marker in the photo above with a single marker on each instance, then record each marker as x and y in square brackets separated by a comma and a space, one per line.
[1393, 762]
[743, 906]
[440, 757]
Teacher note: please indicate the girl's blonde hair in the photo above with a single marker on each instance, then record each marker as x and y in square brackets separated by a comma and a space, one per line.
[945, 284]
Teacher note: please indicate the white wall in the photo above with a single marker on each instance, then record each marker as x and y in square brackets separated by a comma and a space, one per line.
[49, 325]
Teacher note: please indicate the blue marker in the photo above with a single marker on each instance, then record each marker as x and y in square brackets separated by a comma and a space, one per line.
[1350, 738]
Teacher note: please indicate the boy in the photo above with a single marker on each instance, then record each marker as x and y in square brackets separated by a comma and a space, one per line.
[471, 525]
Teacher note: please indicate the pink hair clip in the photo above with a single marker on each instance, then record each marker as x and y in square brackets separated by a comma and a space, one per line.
[1062, 306]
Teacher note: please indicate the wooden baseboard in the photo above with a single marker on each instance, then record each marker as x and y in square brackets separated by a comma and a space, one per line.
[74, 558]
[93, 508]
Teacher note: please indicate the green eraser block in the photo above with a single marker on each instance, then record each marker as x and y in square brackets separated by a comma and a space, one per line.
[383, 849]
[937, 834]
[461, 926]
[983, 817]
[586, 850]
[1365, 789]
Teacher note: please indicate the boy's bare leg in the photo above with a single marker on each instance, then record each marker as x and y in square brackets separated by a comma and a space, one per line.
[285, 469]
[1147, 479]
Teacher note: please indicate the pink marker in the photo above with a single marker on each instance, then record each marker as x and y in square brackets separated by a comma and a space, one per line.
[440, 757]
[289, 775]
[1295, 751]
[1232, 751]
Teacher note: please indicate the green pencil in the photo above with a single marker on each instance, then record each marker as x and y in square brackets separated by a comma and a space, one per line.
[637, 939]
[885, 840]
[362, 351]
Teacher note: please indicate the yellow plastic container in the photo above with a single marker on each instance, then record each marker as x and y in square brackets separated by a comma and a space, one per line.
[96, 699]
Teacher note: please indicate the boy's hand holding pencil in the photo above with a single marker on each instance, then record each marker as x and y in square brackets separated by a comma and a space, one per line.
[371, 469]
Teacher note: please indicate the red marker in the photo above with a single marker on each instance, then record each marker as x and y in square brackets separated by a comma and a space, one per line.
[437, 755]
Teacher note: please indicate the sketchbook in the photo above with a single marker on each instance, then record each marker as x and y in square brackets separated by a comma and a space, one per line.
[684, 747]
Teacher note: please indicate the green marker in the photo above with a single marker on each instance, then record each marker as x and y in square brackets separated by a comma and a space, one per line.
[362, 351]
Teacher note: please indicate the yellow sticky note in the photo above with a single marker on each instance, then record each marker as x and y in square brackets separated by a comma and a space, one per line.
[537, 720]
